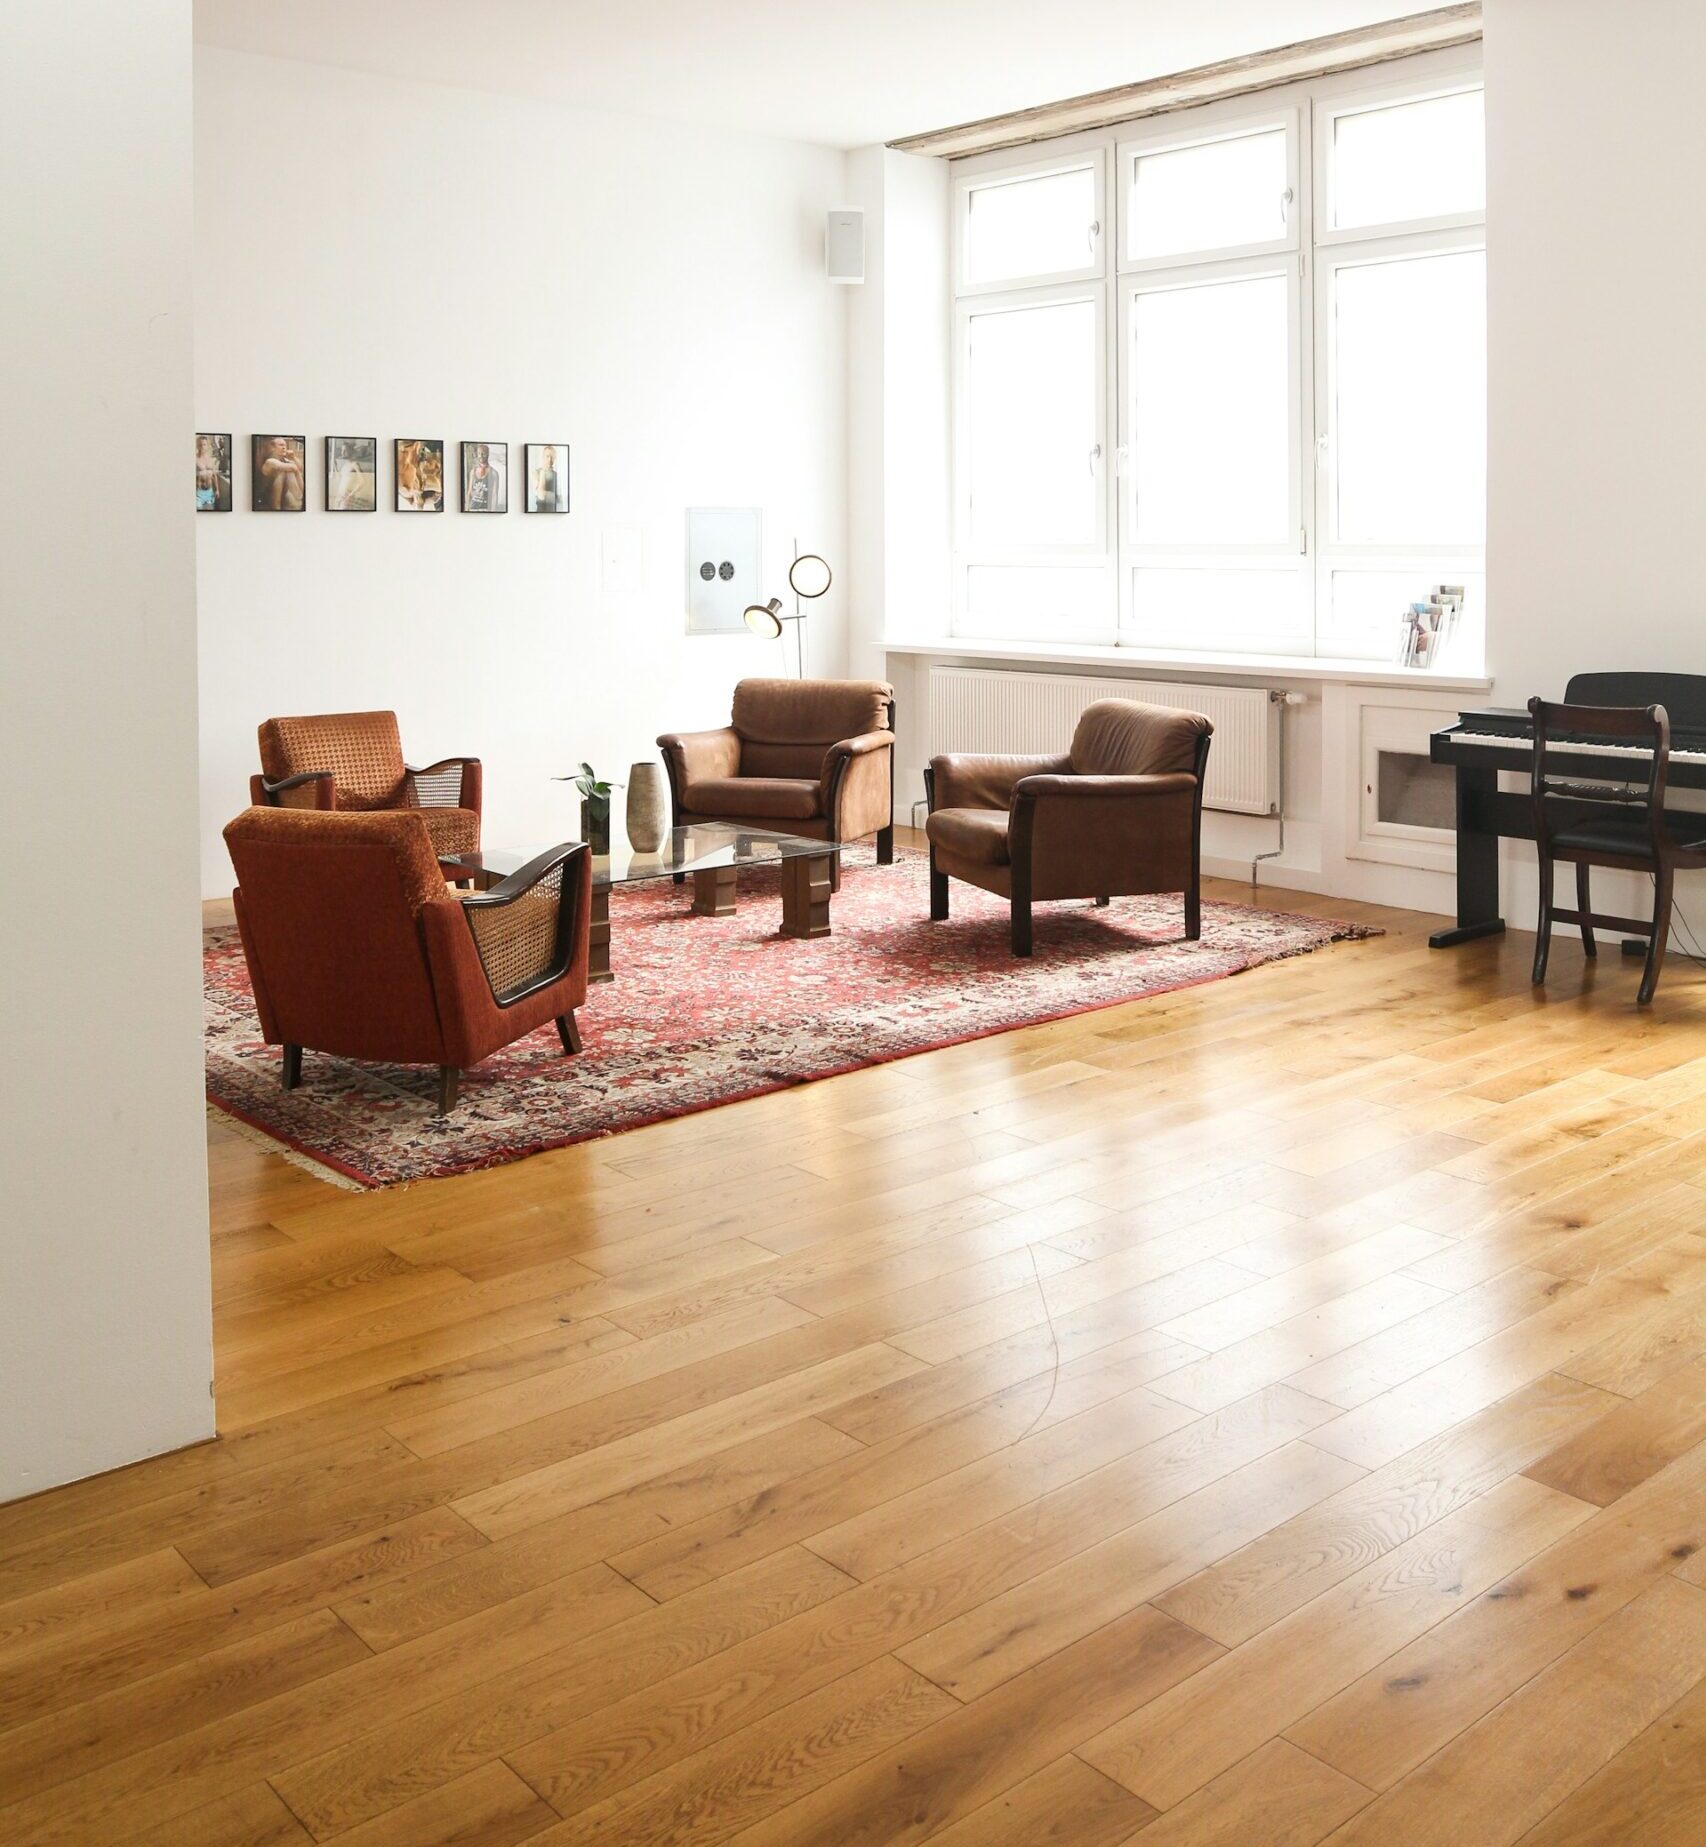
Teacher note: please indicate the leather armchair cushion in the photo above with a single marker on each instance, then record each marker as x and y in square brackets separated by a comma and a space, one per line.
[1120, 737]
[978, 835]
[757, 798]
[809, 711]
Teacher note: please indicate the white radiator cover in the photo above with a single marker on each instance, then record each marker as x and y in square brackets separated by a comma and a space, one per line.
[983, 710]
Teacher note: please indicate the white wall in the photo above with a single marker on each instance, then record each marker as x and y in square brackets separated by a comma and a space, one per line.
[1596, 194]
[378, 257]
[104, 1318]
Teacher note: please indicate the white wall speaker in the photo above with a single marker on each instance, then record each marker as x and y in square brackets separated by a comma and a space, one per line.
[844, 247]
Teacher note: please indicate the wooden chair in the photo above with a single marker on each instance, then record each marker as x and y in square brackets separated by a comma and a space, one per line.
[1612, 825]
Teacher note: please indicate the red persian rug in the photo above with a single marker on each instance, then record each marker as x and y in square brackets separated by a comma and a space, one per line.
[707, 1010]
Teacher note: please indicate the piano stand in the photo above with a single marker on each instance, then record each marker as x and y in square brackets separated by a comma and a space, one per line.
[1478, 822]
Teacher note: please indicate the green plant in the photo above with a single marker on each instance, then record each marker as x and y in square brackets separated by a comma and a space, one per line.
[595, 793]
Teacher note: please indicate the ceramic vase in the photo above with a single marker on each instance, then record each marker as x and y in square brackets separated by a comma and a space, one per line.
[648, 807]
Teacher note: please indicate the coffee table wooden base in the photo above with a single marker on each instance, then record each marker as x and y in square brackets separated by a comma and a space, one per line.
[714, 892]
[807, 884]
[598, 948]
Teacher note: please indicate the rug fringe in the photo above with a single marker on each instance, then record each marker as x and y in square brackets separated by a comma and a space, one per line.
[260, 1139]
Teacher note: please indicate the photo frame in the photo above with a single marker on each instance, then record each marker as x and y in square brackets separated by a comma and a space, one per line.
[278, 474]
[725, 550]
[352, 474]
[213, 471]
[485, 477]
[547, 478]
[418, 464]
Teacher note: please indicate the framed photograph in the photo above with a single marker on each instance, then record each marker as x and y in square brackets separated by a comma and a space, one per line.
[547, 477]
[485, 477]
[278, 473]
[352, 474]
[420, 474]
[212, 471]
[724, 553]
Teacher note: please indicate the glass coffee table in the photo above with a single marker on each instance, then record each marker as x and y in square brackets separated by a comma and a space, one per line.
[711, 854]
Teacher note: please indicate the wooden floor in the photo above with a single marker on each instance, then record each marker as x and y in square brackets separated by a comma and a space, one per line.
[1268, 1413]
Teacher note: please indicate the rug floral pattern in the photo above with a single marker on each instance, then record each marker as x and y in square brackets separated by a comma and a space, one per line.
[706, 1010]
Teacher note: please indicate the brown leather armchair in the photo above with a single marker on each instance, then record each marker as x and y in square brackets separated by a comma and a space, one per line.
[356, 948]
[811, 757]
[353, 761]
[1118, 814]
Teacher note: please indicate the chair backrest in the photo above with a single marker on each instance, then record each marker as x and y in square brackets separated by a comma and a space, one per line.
[1120, 737]
[1566, 795]
[786, 726]
[361, 749]
[329, 907]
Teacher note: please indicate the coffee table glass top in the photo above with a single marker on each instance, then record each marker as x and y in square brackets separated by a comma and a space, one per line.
[702, 848]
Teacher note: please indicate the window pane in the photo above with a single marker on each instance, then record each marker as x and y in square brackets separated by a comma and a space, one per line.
[1034, 227]
[1367, 613]
[1031, 601]
[1211, 413]
[1032, 425]
[1260, 610]
[1415, 160]
[1212, 197]
[1409, 410]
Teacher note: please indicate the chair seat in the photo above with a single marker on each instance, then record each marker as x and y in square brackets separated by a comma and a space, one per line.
[1628, 839]
[451, 830]
[975, 834]
[757, 798]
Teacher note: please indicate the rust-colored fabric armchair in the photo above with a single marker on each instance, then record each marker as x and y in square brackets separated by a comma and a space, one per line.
[811, 757]
[353, 761]
[1118, 814]
[356, 948]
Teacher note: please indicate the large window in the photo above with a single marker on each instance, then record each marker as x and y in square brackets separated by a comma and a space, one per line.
[1220, 378]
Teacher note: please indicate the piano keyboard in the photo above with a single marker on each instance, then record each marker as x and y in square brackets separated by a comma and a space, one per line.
[1501, 740]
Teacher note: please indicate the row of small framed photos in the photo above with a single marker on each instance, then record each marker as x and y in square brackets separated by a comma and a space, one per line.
[278, 475]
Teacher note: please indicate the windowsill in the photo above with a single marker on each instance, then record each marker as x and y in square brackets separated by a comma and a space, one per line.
[1242, 666]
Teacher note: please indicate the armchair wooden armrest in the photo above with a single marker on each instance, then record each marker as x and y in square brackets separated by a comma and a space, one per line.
[453, 782]
[308, 789]
[529, 929]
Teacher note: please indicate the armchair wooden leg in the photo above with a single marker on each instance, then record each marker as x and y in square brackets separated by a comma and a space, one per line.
[291, 1073]
[1021, 926]
[449, 1084]
[568, 1030]
[1584, 906]
[1102, 904]
[938, 892]
[1543, 923]
[885, 845]
[1661, 935]
[1193, 916]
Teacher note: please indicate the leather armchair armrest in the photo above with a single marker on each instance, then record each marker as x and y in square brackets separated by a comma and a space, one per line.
[308, 789]
[697, 756]
[1105, 788]
[861, 746]
[965, 781]
[453, 782]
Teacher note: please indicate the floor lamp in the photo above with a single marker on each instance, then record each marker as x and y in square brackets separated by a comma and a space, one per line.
[809, 577]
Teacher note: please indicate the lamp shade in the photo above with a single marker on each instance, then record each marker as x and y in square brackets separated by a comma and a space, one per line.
[764, 618]
[809, 575]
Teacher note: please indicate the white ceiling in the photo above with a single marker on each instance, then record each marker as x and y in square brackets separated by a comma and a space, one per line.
[845, 74]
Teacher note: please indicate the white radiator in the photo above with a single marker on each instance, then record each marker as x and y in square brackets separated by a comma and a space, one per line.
[983, 710]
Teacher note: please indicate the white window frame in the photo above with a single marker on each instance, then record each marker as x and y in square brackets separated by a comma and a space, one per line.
[970, 556]
[1221, 122]
[1309, 112]
[977, 177]
[1334, 102]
